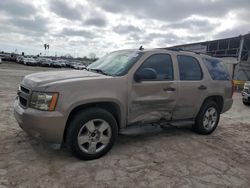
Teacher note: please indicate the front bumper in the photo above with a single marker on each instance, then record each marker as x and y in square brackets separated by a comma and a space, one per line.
[48, 126]
[245, 97]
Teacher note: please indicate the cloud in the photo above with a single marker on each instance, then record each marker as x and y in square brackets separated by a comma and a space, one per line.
[244, 29]
[95, 21]
[194, 25]
[172, 10]
[79, 33]
[65, 10]
[14, 8]
[101, 26]
[126, 29]
[37, 24]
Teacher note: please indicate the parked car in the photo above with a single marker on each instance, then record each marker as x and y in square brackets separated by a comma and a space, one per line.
[246, 93]
[8, 57]
[56, 64]
[20, 59]
[62, 62]
[45, 62]
[68, 64]
[30, 61]
[78, 66]
[85, 110]
[0, 60]
[73, 63]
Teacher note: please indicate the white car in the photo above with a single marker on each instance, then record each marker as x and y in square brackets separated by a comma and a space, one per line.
[29, 61]
[79, 66]
[246, 93]
[19, 59]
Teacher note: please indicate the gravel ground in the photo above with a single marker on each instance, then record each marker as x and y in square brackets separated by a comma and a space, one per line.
[144, 157]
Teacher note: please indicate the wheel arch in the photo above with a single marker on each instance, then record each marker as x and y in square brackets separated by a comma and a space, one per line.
[111, 107]
[218, 99]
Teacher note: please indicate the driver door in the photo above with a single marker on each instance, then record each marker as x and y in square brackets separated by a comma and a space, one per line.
[153, 100]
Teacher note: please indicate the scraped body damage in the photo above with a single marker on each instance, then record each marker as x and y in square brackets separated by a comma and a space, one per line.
[149, 102]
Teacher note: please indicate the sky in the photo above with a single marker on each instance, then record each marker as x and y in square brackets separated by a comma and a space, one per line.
[82, 27]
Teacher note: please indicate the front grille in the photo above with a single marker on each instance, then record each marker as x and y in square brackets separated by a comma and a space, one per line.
[23, 101]
[24, 96]
[25, 90]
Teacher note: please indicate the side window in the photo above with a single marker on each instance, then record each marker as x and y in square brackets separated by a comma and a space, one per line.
[216, 69]
[189, 68]
[162, 64]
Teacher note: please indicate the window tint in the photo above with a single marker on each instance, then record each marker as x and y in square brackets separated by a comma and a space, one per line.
[217, 69]
[162, 64]
[189, 68]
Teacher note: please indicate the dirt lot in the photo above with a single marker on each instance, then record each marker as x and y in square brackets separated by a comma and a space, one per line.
[148, 157]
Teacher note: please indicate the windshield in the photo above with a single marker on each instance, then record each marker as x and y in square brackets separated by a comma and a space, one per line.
[116, 63]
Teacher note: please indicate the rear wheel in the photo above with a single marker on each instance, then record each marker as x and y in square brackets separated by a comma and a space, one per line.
[207, 119]
[91, 133]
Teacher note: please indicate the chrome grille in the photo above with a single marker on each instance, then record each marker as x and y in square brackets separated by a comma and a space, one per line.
[23, 96]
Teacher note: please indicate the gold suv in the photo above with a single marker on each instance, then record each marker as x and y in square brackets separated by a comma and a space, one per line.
[85, 110]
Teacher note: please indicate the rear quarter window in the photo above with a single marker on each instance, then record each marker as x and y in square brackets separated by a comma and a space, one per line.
[216, 69]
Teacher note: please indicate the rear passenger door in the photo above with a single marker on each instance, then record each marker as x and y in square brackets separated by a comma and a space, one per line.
[191, 86]
[153, 100]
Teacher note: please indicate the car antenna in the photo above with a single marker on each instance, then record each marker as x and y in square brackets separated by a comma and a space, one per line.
[141, 48]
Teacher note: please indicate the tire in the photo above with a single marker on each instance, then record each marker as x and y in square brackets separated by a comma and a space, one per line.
[246, 103]
[91, 133]
[207, 118]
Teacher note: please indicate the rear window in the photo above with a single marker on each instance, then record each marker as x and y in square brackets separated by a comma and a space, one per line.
[216, 69]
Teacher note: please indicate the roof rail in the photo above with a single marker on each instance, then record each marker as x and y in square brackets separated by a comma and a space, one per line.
[180, 49]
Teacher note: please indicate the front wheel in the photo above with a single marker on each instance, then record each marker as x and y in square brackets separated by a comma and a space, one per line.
[207, 118]
[246, 103]
[91, 133]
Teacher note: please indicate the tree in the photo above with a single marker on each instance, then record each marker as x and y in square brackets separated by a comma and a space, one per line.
[46, 46]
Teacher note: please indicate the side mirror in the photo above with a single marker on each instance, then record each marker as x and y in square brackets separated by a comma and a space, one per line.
[145, 74]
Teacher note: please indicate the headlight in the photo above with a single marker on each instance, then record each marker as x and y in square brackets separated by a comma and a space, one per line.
[44, 101]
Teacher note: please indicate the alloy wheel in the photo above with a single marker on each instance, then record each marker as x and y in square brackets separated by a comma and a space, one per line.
[94, 136]
[210, 118]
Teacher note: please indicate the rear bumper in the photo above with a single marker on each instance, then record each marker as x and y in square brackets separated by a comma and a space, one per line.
[227, 105]
[48, 126]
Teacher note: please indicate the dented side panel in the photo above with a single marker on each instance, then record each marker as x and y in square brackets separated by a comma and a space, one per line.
[150, 102]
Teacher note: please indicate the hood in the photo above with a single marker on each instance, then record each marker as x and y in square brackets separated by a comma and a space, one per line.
[44, 78]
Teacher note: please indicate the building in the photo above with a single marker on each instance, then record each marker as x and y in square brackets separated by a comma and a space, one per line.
[235, 52]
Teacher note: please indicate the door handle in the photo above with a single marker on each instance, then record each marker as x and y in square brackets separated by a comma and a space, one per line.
[169, 89]
[202, 87]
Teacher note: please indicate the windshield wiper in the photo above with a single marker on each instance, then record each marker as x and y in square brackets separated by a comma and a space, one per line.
[99, 71]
